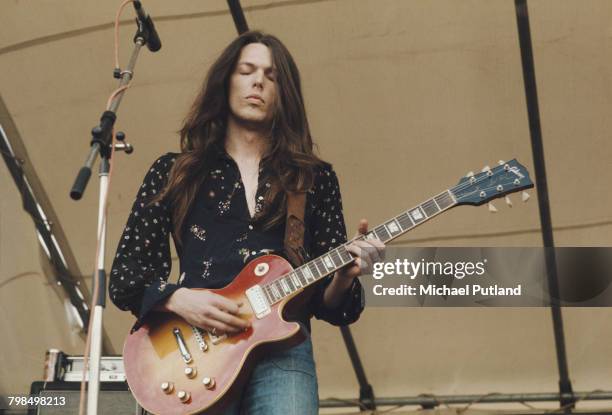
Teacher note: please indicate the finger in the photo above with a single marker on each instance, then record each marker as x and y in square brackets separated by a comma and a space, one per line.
[374, 242]
[367, 248]
[362, 228]
[229, 319]
[359, 263]
[218, 328]
[353, 249]
[363, 263]
[379, 246]
[226, 304]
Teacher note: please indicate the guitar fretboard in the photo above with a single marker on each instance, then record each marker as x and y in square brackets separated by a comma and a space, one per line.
[336, 258]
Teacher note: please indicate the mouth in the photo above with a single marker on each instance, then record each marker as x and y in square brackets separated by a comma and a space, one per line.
[255, 98]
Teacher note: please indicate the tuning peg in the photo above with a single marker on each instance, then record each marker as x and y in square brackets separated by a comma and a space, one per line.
[501, 162]
[492, 208]
[508, 201]
[486, 168]
[470, 174]
[525, 196]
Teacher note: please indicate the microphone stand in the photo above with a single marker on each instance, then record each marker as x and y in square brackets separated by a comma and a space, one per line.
[101, 144]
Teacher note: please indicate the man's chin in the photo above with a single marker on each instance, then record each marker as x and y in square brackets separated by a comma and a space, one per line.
[252, 121]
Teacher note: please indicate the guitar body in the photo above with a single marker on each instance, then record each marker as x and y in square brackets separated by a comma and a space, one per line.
[152, 355]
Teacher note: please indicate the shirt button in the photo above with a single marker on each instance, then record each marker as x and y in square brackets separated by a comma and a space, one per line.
[251, 227]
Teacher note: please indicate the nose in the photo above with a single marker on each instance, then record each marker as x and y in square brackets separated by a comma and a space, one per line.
[258, 79]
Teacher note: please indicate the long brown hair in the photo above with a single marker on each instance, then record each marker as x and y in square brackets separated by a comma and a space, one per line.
[290, 156]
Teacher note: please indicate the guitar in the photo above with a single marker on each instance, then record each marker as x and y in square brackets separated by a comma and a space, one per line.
[175, 368]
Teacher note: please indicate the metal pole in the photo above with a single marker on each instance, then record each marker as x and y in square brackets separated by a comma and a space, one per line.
[366, 392]
[533, 112]
[238, 16]
[431, 401]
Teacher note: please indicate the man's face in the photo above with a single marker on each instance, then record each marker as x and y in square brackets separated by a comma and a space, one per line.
[252, 91]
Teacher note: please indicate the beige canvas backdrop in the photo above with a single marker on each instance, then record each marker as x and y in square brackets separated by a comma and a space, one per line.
[403, 97]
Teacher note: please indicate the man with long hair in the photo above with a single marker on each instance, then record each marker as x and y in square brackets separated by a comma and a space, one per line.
[245, 146]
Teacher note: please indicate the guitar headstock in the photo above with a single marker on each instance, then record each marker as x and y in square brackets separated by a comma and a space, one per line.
[492, 183]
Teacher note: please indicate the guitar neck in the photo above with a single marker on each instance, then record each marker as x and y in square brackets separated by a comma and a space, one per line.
[314, 270]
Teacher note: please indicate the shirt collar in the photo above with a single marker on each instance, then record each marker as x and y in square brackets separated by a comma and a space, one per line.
[219, 152]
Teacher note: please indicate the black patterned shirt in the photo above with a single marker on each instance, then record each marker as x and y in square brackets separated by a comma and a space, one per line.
[219, 237]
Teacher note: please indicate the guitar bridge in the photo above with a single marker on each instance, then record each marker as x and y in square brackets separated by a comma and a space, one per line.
[258, 301]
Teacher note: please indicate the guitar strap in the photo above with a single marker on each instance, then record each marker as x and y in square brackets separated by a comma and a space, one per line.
[294, 228]
[298, 308]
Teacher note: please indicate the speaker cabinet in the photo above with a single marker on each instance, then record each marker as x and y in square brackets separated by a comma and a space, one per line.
[114, 399]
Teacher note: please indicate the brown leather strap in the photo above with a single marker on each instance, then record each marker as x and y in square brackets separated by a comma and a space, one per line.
[297, 309]
[294, 227]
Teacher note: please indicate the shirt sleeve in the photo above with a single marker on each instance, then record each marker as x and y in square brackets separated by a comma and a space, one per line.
[142, 264]
[328, 231]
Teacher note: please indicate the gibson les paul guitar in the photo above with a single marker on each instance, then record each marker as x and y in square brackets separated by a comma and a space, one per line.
[175, 368]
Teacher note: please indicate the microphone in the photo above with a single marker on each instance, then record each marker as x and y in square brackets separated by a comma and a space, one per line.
[147, 28]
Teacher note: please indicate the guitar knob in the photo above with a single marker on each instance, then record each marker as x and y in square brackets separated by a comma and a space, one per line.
[508, 201]
[191, 372]
[167, 387]
[492, 208]
[208, 383]
[184, 396]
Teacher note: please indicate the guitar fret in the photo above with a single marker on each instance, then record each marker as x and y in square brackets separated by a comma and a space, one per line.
[336, 257]
[275, 292]
[296, 280]
[285, 286]
[344, 254]
[280, 287]
[320, 266]
[309, 272]
[329, 263]
[444, 200]
[289, 282]
[393, 227]
[430, 208]
[266, 290]
[381, 233]
[417, 215]
[437, 205]
[405, 221]
[301, 277]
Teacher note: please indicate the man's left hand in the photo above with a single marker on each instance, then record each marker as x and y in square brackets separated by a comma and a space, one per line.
[365, 251]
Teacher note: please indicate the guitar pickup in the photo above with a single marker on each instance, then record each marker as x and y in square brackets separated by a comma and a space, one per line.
[257, 299]
[197, 333]
[180, 341]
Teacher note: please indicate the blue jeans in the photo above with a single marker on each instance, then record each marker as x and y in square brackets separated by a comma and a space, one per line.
[283, 383]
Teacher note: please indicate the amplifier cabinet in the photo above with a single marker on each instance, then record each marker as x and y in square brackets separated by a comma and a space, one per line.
[114, 399]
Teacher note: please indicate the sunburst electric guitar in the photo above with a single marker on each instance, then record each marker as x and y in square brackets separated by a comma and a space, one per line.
[175, 368]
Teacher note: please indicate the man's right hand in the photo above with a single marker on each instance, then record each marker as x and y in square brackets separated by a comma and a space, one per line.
[207, 310]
